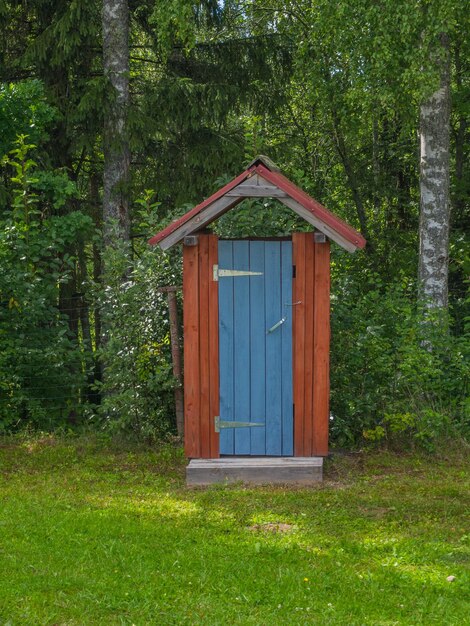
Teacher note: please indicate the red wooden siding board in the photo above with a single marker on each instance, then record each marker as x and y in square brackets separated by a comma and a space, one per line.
[321, 348]
[298, 340]
[311, 341]
[191, 351]
[201, 359]
[213, 315]
[204, 380]
[308, 346]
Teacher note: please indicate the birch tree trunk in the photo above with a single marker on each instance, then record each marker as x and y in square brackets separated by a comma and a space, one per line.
[434, 192]
[115, 18]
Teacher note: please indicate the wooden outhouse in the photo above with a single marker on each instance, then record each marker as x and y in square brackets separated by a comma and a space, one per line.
[257, 336]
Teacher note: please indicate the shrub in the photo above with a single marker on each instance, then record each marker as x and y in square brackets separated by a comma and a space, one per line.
[41, 368]
[138, 384]
[387, 383]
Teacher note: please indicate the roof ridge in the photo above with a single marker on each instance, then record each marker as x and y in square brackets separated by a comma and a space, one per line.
[266, 161]
[294, 197]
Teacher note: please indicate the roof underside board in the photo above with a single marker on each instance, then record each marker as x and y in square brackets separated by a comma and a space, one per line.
[260, 181]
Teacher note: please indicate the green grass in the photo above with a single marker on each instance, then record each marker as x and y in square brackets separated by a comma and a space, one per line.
[97, 534]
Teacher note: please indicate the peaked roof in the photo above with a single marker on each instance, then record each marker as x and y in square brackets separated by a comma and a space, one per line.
[262, 178]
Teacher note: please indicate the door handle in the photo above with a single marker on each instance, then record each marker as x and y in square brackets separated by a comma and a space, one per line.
[279, 323]
[284, 319]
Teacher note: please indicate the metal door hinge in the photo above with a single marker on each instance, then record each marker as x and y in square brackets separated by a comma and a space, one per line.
[226, 424]
[220, 273]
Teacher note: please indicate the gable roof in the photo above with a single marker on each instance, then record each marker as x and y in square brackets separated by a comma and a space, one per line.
[262, 178]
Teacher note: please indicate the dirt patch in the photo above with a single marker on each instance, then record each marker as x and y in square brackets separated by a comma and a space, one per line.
[272, 527]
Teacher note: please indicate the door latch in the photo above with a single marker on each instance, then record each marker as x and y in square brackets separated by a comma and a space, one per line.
[284, 319]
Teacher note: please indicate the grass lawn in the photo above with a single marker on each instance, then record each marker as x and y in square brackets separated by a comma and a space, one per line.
[97, 534]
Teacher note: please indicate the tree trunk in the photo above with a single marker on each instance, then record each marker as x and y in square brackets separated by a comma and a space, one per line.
[89, 355]
[115, 17]
[434, 191]
[176, 359]
[461, 141]
[351, 178]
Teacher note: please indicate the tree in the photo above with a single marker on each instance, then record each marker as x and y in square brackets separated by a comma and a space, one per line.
[115, 19]
[434, 183]
[192, 89]
[368, 68]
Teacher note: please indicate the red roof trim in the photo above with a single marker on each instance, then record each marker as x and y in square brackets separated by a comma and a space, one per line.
[336, 223]
[197, 209]
[277, 178]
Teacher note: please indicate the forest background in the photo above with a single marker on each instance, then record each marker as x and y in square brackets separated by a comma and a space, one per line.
[116, 117]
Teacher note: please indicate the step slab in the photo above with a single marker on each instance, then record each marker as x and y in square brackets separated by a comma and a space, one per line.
[255, 470]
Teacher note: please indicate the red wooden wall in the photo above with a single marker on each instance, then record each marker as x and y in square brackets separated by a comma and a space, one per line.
[311, 344]
[201, 349]
[311, 340]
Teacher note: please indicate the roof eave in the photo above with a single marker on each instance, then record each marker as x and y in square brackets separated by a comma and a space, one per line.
[298, 200]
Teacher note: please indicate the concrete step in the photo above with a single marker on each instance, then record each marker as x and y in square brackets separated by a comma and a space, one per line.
[255, 470]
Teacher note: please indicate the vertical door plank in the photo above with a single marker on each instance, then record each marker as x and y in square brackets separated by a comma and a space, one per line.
[298, 255]
[213, 348]
[274, 312]
[241, 372]
[226, 348]
[257, 348]
[204, 432]
[309, 340]
[321, 348]
[191, 351]
[256, 366]
[286, 354]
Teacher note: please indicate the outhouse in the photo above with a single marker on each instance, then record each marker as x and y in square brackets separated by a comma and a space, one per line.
[256, 336]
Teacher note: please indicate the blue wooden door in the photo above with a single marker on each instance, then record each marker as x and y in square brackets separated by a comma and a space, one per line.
[255, 351]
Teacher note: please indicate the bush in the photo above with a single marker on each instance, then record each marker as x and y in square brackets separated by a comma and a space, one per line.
[138, 384]
[388, 383]
[41, 367]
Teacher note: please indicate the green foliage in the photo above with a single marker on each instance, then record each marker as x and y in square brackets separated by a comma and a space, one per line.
[259, 218]
[174, 23]
[24, 110]
[386, 382]
[138, 384]
[40, 368]
[330, 91]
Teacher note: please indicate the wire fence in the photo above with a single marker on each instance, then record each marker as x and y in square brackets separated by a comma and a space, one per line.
[51, 367]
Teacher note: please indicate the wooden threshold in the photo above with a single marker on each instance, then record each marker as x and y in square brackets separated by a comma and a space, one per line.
[255, 470]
